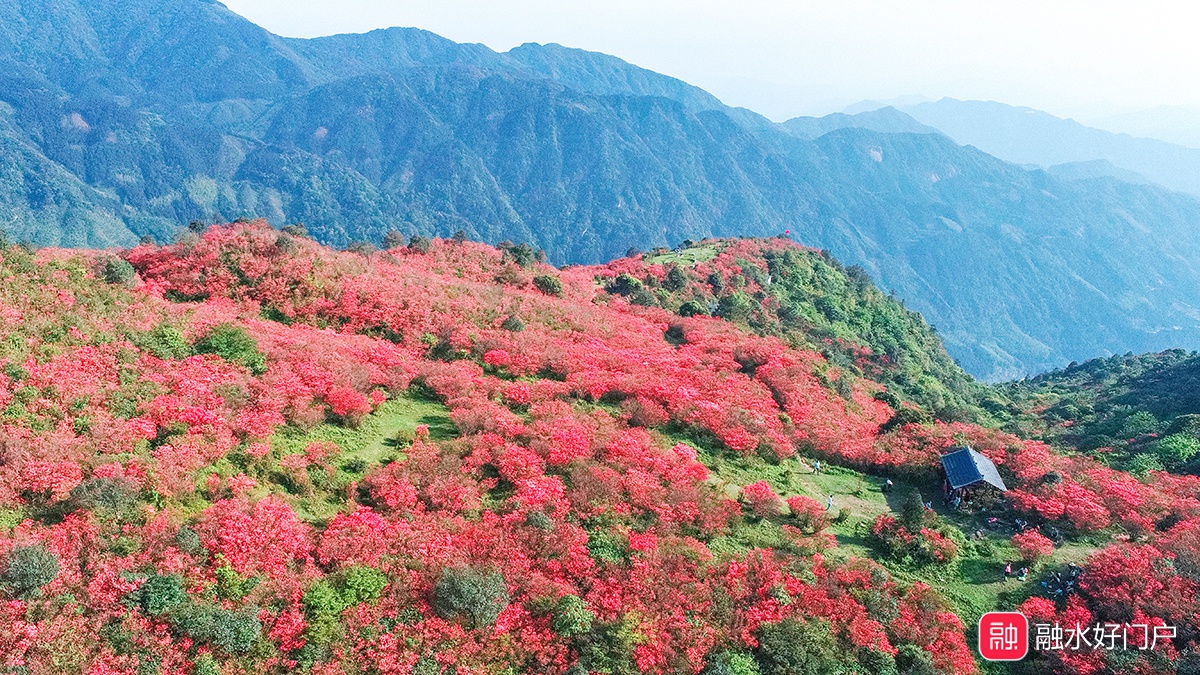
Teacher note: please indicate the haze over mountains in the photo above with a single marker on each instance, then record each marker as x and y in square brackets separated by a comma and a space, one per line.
[122, 118]
[1028, 136]
[1174, 124]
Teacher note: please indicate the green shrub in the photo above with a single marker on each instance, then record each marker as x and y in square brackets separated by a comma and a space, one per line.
[233, 344]
[118, 271]
[325, 600]
[1144, 462]
[877, 662]
[160, 594]
[912, 660]
[643, 298]
[734, 307]
[355, 465]
[11, 517]
[165, 341]
[362, 248]
[393, 239]
[1186, 424]
[206, 665]
[1140, 422]
[469, 593]
[676, 278]
[29, 568]
[419, 244]
[693, 308]
[236, 632]
[322, 599]
[426, 665]
[188, 541]
[233, 632]
[625, 284]
[15, 372]
[548, 284]
[793, 647]
[607, 547]
[1177, 449]
[611, 646]
[104, 494]
[231, 585]
[913, 513]
[571, 617]
[522, 254]
[904, 416]
[194, 621]
[362, 584]
[731, 663]
[286, 244]
[539, 520]
[323, 605]
[717, 281]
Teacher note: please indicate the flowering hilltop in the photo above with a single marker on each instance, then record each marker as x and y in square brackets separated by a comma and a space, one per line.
[247, 453]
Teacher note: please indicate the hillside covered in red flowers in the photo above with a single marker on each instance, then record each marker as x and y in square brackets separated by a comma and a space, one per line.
[247, 453]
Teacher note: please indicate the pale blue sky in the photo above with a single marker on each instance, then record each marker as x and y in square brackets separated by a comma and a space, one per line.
[1082, 58]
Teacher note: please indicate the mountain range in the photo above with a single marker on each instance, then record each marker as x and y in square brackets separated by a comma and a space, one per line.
[121, 119]
[1027, 136]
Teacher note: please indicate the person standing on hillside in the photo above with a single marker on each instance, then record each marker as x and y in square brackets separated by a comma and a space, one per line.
[1008, 571]
[817, 466]
[829, 503]
[887, 486]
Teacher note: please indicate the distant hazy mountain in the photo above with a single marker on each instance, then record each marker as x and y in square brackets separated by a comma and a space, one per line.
[1174, 124]
[1028, 136]
[121, 118]
[887, 120]
[1096, 168]
[898, 102]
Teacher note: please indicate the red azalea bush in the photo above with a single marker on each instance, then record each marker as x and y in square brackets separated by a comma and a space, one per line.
[923, 545]
[808, 513]
[762, 501]
[1032, 546]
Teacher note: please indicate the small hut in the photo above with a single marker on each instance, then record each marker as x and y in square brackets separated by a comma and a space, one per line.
[967, 471]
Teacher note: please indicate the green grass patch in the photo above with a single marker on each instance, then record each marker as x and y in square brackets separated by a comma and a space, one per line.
[375, 438]
[380, 437]
[687, 257]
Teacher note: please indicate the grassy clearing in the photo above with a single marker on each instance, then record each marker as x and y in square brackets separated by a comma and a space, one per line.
[974, 584]
[379, 439]
[375, 438]
[687, 257]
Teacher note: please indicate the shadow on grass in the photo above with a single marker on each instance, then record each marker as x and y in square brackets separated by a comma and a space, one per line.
[440, 427]
[855, 538]
[981, 571]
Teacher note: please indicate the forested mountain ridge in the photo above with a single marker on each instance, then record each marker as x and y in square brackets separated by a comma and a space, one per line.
[125, 118]
[1027, 136]
[1141, 412]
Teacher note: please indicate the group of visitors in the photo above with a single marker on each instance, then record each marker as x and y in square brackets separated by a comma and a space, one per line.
[1022, 574]
[1059, 585]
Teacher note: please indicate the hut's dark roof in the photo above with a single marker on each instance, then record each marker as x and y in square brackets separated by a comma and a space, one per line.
[965, 467]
